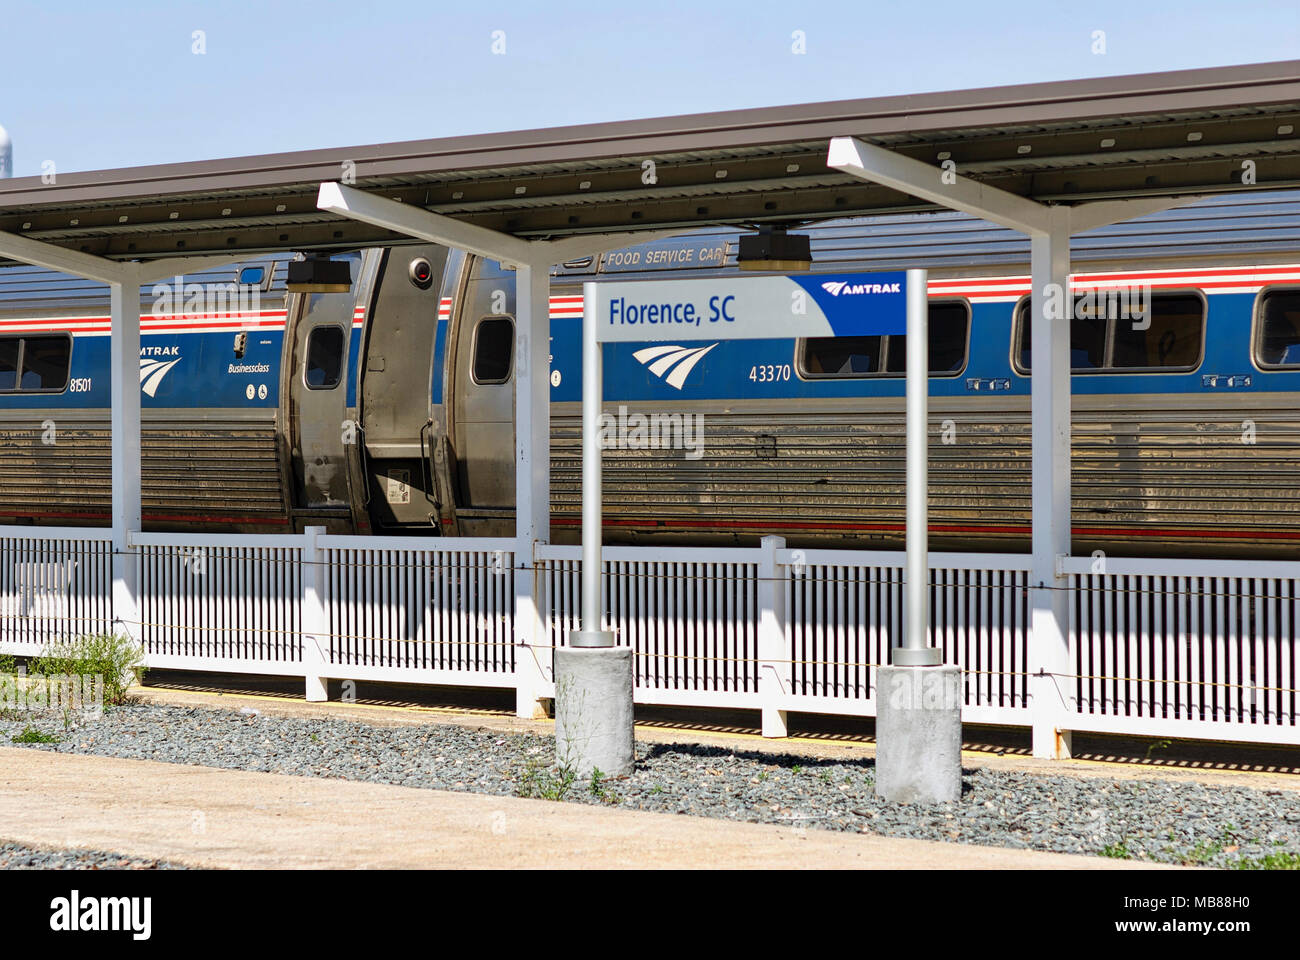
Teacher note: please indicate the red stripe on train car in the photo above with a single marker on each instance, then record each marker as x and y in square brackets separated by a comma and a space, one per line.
[936, 528]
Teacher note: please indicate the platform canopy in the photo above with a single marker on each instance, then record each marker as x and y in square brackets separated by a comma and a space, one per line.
[1164, 134]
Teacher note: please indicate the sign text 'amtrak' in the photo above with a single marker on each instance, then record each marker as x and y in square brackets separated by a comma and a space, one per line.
[751, 308]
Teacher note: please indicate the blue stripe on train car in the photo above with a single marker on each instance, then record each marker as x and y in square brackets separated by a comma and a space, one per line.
[177, 370]
[439, 350]
[354, 354]
[734, 369]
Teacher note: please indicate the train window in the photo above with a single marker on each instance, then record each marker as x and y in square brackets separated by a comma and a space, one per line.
[822, 358]
[9, 363]
[252, 276]
[494, 344]
[841, 356]
[1277, 342]
[324, 367]
[1087, 342]
[44, 365]
[948, 335]
[1100, 343]
[1173, 338]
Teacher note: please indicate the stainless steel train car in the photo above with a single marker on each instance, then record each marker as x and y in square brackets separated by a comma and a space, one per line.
[389, 408]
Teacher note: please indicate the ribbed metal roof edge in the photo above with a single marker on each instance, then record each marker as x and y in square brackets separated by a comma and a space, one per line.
[1054, 101]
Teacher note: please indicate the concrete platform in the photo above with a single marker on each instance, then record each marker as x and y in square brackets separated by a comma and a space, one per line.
[238, 819]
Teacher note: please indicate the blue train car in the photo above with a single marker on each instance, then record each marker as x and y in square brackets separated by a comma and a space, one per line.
[390, 408]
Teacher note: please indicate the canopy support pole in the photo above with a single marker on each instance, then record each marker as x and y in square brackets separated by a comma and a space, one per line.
[532, 259]
[1049, 229]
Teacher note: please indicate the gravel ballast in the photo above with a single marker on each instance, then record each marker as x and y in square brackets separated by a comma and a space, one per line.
[17, 856]
[1172, 821]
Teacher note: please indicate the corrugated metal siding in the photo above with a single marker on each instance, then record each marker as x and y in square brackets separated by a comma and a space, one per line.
[1258, 228]
[24, 288]
[210, 469]
[838, 476]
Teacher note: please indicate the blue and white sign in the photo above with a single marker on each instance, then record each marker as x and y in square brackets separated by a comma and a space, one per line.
[750, 308]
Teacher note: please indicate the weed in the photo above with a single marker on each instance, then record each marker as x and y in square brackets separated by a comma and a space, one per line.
[796, 769]
[1203, 852]
[1117, 851]
[1280, 860]
[538, 781]
[32, 735]
[598, 788]
[115, 658]
[1157, 745]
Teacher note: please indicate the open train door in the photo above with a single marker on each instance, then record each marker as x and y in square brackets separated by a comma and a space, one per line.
[483, 404]
[399, 438]
[315, 391]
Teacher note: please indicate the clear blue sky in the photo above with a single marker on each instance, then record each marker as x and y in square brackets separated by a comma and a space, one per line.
[92, 85]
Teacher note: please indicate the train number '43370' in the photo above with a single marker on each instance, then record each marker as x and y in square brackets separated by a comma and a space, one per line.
[768, 372]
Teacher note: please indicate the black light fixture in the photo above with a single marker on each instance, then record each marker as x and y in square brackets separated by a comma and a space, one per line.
[773, 248]
[319, 274]
[421, 273]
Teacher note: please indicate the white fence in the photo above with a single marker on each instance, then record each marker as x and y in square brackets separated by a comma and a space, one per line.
[1175, 648]
[360, 608]
[221, 602]
[1186, 648]
[54, 583]
[799, 630]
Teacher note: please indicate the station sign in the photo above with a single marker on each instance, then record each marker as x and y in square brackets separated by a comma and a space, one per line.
[749, 308]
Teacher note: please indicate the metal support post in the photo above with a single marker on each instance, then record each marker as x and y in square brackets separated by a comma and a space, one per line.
[775, 669]
[1049, 644]
[593, 677]
[315, 624]
[591, 634]
[533, 660]
[918, 705]
[124, 393]
[915, 650]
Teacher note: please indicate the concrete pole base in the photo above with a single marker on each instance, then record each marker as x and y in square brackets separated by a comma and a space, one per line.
[593, 710]
[918, 734]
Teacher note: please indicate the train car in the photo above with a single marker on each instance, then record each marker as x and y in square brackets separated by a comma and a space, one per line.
[390, 408]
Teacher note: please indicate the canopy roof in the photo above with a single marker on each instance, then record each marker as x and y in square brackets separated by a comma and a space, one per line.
[1162, 134]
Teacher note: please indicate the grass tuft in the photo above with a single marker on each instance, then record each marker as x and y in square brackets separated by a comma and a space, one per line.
[540, 782]
[32, 735]
[115, 658]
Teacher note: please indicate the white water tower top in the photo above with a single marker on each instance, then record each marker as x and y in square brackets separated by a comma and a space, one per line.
[6, 154]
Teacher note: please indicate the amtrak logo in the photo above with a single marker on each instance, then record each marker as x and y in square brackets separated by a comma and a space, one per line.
[152, 371]
[837, 287]
[672, 362]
